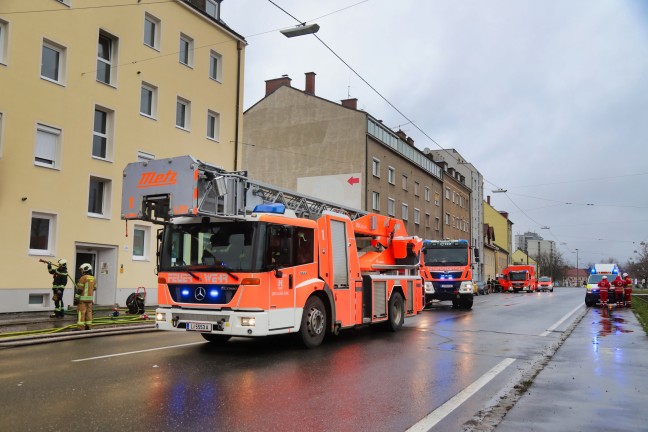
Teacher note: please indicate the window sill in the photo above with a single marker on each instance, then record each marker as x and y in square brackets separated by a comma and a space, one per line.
[98, 216]
[37, 252]
[183, 129]
[148, 116]
[111, 85]
[98, 158]
[60, 83]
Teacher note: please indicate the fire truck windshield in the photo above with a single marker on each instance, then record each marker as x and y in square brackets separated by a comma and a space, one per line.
[218, 246]
[517, 275]
[445, 256]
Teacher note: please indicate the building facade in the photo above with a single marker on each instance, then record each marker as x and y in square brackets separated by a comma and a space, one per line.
[473, 179]
[502, 241]
[86, 88]
[333, 151]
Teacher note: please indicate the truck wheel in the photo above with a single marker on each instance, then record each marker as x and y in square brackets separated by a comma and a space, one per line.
[313, 323]
[466, 303]
[455, 304]
[215, 338]
[396, 312]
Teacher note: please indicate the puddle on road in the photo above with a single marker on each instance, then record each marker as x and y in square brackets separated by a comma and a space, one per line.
[610, 323]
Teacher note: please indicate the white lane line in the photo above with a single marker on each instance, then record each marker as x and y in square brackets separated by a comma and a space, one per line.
[137, 352]
[561, 320]
[440, 413]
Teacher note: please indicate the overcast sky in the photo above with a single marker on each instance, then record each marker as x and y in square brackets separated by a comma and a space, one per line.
[547, 98]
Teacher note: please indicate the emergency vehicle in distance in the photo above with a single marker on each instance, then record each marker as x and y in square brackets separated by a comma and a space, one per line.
[596, 273]
[447, 272]
[238, 257]
[521, 278]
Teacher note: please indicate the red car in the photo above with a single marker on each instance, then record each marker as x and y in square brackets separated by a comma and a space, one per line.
[545, 284]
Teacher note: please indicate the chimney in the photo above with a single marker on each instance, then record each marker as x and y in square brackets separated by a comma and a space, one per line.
[488, 199]
[310, 83]
[351, 103]
[410, 141]
[401, 135]
[274, 84]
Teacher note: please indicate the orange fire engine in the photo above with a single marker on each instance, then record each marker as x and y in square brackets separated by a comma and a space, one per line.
[237, 257]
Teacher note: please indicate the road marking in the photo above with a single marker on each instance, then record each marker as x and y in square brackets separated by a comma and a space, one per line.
[430, 420]
[560, 321]
[136, 352]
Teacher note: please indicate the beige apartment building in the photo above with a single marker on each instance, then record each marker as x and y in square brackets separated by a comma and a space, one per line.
[300, 141]
[87, 87]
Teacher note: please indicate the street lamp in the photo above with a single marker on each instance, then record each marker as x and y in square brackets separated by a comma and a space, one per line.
[576, 266]
[499, 190]
[300, 30]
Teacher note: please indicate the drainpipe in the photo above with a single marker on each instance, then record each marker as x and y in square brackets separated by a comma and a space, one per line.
[239, 48]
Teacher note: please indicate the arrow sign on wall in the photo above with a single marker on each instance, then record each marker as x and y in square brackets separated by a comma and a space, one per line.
[352, 180]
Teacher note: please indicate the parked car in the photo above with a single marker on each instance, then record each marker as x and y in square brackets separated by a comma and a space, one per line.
[545, 284]
[482, 288]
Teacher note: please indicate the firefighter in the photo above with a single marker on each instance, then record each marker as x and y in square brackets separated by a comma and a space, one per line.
[627, 288]
[60, 276]
[604, 286]
[84, 295]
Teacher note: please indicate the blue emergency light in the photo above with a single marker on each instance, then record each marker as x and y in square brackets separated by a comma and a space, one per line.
[213, 293]
[276, 208]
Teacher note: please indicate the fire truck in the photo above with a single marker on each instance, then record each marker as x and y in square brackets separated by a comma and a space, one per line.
[447, 272]
[237, 257]
[521, 278]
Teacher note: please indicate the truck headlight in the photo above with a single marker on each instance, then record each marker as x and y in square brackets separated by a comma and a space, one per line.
[160, 316]
[429, 287]
[466, 287]
[248, 321]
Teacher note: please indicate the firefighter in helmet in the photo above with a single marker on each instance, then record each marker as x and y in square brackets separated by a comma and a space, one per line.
[84, 295]
[627, 289]
[60, 276]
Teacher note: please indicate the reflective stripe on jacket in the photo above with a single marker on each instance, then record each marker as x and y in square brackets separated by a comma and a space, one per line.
[86, 288]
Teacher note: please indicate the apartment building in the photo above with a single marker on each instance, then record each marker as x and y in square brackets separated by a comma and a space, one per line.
[501, 241]
[300, 141]
[85, 88]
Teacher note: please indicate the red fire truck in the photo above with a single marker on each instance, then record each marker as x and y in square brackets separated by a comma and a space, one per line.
[237, 257]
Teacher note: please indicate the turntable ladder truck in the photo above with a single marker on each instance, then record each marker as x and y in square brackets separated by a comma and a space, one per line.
[237, 257]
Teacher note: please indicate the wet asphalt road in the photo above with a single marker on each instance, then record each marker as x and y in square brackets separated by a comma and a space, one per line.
[362, 380]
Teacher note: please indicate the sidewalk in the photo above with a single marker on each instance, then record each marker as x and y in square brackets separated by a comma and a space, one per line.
[26, 328]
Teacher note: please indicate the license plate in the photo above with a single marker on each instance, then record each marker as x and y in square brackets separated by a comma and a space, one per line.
[199, 327]
[446, 285]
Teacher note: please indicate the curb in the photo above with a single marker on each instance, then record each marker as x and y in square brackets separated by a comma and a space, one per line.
[71, 335]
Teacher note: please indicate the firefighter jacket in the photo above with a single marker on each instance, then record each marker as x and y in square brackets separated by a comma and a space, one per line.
[85, 288]
[618, 282]
[627, 282]
[604, 284]
[60, 276]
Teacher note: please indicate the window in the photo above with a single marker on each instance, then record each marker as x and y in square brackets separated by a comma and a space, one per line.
[148, 100]
[416, 188]
[391, 207]
[426, 194]
[375, 167]
[141, 236]
[375, 201]
[447, 193]
[102, 133]
[47, 146]
[52, 62]
[391, 175]
[99, 197]
[437, 224]
[185, 54]
[427, 220]
[183, 113]
[42, 234]
[405, 182]
[215, 66]
[144, 156]
[212, 8]
[436, 198]
[213, 125]
[3, 41]
[447, 218]
[106, 58]
[417, 216]
[152, 31]
[404, 212]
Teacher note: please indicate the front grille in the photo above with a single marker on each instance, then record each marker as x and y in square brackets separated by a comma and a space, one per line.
[446, 275]
[202, 294]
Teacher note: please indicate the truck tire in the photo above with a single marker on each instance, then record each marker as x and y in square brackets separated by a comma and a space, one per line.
[466, 303]
[395, 312]
[313, 323]
[216, 339]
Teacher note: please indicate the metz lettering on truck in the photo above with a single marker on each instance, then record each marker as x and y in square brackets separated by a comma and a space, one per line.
[204, 277]
[153, 179]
